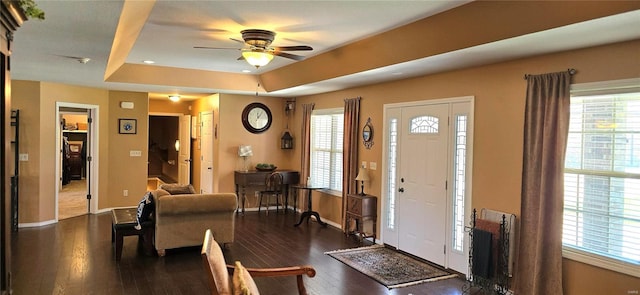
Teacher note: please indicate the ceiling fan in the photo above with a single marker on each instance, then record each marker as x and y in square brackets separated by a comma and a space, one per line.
[259, 51]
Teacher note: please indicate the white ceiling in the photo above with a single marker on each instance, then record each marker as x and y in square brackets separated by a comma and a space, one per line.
[47, 50]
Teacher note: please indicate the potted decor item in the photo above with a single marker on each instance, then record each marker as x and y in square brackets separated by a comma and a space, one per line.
[265, 167]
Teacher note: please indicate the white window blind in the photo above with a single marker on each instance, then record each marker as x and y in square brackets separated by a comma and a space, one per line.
[327, 131]
[602, 178]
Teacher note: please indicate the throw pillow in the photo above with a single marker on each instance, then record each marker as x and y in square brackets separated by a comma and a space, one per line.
[243, 284]
[178, 189]
[145, 209]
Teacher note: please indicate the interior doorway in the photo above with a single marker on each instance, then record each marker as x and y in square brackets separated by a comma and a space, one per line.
[75, 168]
[169, 149]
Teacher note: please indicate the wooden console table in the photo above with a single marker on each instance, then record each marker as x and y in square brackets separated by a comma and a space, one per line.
[254, 178]
[361, 208]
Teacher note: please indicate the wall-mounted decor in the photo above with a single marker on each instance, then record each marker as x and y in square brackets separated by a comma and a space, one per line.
[367, 134]
[127, 126]
[286, 141]
[256, 117]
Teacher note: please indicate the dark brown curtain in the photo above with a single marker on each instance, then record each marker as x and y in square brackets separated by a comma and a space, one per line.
[350, 152]
[306, 142]
[539, 264]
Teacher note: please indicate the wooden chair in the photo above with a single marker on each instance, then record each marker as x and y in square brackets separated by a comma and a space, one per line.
[273, 187]
[218, 271]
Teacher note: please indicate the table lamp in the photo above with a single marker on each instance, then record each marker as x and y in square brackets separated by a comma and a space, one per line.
[245, 151]
[362, 177]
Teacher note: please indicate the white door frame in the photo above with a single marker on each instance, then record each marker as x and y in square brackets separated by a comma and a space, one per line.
[93, 143]
[469, 166]
[206, 152]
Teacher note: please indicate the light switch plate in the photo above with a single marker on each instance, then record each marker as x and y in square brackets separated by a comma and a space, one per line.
[373, 165]
[364, 164]
[24, 157]
[135, 153]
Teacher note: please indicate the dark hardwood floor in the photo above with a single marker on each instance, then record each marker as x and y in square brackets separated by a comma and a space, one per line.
[76, 256]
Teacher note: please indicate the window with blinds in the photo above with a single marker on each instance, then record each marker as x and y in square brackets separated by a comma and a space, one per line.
[602, 179]
[327, 131]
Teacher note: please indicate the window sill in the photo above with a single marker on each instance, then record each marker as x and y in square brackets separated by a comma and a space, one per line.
[331, 192]
[601, 261]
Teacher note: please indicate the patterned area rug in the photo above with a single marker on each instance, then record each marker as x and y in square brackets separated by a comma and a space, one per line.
[389, 267]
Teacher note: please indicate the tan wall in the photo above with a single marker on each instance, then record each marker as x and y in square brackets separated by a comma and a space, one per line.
[26, 98]
[126, 172]
[167, 106]
[266, 145]
[117, 171]
[499, 92]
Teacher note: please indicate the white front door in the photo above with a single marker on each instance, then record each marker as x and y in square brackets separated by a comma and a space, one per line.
[206, 141]
[422, 179]
[426, 192]
[184, 150]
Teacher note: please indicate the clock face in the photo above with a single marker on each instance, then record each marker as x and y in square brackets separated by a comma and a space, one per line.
[256, 117]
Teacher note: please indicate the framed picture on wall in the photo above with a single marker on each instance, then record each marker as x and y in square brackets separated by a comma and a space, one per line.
[127, 126]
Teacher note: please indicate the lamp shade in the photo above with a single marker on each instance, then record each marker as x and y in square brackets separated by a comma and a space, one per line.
[257, 58]
[362, 175]
[245, 151]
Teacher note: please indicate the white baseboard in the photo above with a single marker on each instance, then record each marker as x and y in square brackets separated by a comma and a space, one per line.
[36, 224]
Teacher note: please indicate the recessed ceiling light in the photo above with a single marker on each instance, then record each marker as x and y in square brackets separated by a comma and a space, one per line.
[148, 62]
[246, 71]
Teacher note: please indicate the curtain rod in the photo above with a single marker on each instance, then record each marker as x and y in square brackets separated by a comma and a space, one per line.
[571, 72]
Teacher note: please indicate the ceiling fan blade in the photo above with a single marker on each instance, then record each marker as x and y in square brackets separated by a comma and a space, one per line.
[206, 47]
[239, 41]
[288, 55]
[293, 48]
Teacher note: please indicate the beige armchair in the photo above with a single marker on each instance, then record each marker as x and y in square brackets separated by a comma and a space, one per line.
[242, 283]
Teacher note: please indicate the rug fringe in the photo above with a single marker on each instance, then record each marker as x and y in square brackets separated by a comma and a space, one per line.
[423, 281]
[354, 249]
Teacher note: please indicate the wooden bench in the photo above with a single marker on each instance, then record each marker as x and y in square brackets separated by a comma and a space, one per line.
[123, 222]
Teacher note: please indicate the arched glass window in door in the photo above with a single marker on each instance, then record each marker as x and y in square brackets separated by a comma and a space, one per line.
[424, 124]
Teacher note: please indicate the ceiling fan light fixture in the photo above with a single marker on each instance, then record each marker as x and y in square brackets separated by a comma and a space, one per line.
[257, 58]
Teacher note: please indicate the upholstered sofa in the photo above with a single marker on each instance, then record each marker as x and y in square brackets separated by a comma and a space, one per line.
[182, 219]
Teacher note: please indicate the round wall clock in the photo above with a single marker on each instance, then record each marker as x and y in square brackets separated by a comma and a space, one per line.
[256, 117]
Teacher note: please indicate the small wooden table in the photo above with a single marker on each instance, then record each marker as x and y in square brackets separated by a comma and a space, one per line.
[123, 222]
[362, 208]
[307, 214]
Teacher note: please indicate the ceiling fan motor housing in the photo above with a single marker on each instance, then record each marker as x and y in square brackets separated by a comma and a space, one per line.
[258, 38]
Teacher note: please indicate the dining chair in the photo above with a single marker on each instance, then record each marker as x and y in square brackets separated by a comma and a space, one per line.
[273, 187]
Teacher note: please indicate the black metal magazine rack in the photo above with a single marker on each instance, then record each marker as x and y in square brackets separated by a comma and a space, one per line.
[490, 266]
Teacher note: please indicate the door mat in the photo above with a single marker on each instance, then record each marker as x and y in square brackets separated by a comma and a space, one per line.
[390, 267]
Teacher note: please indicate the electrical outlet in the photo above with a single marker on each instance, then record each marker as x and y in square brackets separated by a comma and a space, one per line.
[125, 193]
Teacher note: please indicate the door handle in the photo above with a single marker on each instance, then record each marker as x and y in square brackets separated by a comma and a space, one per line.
[401, 190]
